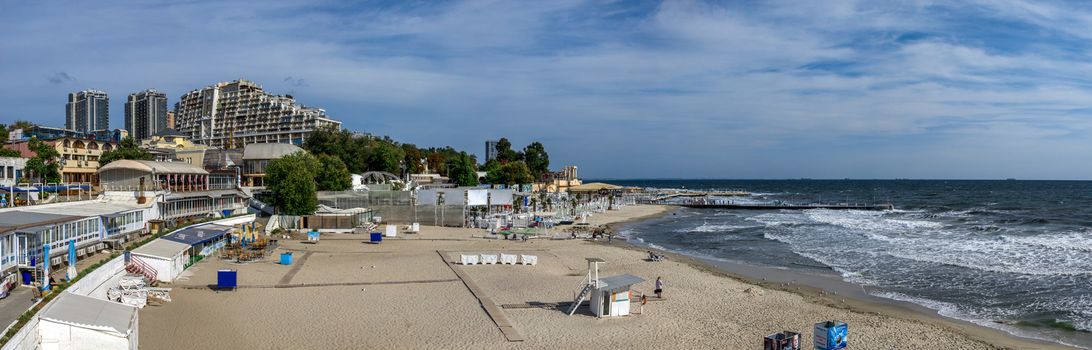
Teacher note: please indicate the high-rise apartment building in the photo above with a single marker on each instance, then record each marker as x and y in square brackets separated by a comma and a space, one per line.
[490, 150]
[87, 111]
[170, 119]
[233, 114]
[145, 114]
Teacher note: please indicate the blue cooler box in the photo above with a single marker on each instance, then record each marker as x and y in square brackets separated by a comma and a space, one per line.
[830, 335]
[286, 258]
[377, 237]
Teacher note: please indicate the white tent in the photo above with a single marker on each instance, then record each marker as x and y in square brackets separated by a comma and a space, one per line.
[79, 322]
[168, 258]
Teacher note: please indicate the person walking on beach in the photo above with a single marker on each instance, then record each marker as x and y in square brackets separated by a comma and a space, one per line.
[659, 288]
[644, 300]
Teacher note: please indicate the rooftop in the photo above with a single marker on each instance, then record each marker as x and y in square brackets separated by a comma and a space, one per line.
[92, 313]
[197, 235]
[619, 282]
[268, 150]
[21, 219]
[150, 166]
[162, 248]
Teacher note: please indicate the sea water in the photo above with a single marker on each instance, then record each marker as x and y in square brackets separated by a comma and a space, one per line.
[1013, 255]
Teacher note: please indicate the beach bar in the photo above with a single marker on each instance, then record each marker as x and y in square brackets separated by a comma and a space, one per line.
[80, 322]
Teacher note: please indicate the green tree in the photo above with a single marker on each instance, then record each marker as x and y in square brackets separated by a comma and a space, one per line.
[413, 158]
[334, 142]
[332, 175]
[513, 173]
[127, 149]
[21, 124]
[291, 180]
[45, 165]
[537, 159]
[4, 133]
[461, 170]
[386, 157]
[5, 152]
[505, 153]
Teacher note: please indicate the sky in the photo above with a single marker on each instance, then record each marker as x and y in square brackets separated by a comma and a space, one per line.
[981, 89]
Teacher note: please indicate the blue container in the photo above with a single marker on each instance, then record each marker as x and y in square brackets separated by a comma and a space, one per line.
[377, 237]
[830, 335]
[226, 279]
[286, 258]
[28, 278]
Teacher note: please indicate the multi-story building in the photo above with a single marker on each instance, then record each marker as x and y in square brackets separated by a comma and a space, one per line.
[490, 150]
[50, 133]
[11, 170]
[183, 191]
[87, 111]
[145, 114]
[237, 113]
[79, 157]
[172, 145]
[170, 120]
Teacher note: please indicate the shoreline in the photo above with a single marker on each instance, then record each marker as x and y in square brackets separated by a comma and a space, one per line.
[830, 290]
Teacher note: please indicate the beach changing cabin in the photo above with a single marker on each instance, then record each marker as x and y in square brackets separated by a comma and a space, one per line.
[168, 258]
[77, 322]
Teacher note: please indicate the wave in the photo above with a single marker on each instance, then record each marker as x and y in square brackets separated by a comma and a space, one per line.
[706, 227]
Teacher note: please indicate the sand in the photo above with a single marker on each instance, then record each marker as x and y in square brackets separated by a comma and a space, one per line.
[349, 294]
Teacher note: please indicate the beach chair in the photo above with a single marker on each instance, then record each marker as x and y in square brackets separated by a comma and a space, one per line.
[529, 259]
[508, 259]
[469, 259]
[489, 259]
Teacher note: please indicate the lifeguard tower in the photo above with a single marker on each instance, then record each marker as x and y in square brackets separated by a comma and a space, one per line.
[610, 296]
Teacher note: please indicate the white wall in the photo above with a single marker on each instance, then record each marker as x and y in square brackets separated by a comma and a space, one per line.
[56, 335]
[167, 269]
[88, 284]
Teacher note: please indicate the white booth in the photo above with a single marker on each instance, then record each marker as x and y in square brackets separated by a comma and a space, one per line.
[78, 322]
[168, 258]
[612, 297]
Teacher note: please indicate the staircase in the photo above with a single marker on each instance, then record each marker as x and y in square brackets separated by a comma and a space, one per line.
[137, 266]
[580, 299]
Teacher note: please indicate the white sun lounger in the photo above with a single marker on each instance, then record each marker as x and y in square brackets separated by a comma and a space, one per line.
[489, 259]
[529, 259]
[508, 259]
[471, 259]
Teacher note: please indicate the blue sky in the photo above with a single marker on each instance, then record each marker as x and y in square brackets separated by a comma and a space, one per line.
[623, 89]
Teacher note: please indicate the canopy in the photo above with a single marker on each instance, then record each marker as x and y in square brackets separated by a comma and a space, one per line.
[594, 187]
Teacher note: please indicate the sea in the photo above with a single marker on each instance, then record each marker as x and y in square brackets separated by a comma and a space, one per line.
[1008, 254]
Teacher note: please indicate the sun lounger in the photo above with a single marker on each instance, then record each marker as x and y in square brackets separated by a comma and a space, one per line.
[529, 259]
[508, 259]
[489, 259]
[471, 259]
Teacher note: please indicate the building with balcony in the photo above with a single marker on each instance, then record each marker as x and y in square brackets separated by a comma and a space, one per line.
[173, 145]
[87, 111]
[182, 191]
[79, 157]
[238, 113]
[145, 114]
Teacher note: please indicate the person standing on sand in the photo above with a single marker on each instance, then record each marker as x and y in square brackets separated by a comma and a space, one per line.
[659, 288]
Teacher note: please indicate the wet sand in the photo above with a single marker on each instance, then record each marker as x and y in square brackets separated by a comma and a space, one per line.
[349, 294]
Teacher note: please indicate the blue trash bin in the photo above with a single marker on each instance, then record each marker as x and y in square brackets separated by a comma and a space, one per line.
[226, 279]
[286, 258]
[377, 237]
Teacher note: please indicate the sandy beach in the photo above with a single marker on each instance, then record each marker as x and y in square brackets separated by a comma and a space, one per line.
[344, 293]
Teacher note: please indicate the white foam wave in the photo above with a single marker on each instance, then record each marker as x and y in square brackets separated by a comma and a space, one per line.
[707, 227]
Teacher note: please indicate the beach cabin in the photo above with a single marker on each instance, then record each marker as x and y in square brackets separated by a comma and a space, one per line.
[168, 258]
[610, 296]
[79, 322]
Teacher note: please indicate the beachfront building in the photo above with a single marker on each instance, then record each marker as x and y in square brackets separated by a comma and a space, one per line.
[237, 113]
[87, 111]
[182, 191]
[79, 157]
[11, 170]
[256, 158]
[145, 114]
[91, 225]
[560, 181]
[169, 145]
[168, 258]
[203, 240]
